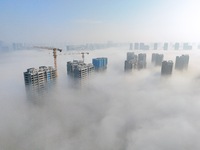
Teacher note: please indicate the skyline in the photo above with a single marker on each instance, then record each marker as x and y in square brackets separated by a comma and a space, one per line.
[99, 21]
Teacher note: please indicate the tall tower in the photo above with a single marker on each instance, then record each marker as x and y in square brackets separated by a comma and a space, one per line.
[182, 62]
[131, 46]
[130, 55]
[176, 46]
[100, 63]
[141, 61]
[78, 69]
[167, 67]
[166, 46]
[157, 59]
[36, 80]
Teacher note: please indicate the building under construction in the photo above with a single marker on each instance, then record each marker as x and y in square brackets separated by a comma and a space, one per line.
[37, 80]
[79, 69]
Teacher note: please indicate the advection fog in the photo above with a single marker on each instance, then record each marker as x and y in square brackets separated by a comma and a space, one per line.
[114, 111]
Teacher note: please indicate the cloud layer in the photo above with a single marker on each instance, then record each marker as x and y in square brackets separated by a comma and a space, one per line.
[113, 110]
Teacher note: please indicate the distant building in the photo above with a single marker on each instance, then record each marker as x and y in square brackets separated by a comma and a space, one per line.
[75, 47]
[166, 46]
[3, 47]
[157, 59]
[167, 67]
[141, 61]
[131, 46]
[135, 62]
[186, 46]
[198, 46]
[130, 55]
[136, 46]
[155, 46]
[176, 46]
[144, 47]
[78, 69]
[128, 65]
[131, 61]
[182, 62]
[18, 46]
[100, 63]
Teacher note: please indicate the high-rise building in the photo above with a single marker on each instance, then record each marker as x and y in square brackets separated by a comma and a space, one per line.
[128, 65]
[136, 46]
[182, 62]
[165, 47]
[78, 69]
[130, 55]
[176, 46]
[131, 46]
[187, 46]
[35, 77]
[135, 62]
[100, 63]
[131, 61]
[37, 80]
[141, 61]
[155, 46]
[157, 59]
[144, 47]
[18, 46]
[167, 67]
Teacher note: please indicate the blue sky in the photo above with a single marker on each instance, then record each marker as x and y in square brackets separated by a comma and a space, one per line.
[99, 20]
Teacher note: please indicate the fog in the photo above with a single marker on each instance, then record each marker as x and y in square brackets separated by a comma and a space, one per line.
[112, 110]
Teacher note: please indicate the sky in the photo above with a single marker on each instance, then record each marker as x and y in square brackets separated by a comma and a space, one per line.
[77, 21]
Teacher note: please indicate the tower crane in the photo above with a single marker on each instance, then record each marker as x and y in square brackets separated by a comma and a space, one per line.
[83, 55]
[54, 54]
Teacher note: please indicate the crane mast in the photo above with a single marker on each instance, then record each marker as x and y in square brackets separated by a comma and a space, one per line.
[83, 55]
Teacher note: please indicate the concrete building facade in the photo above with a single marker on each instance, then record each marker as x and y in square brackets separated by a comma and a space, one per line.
[135, 61]
[157, 59]
[166, 46]
[136, 46]
[38, 80]
[131, 46]
[176, 46]
[141, 61]
[130, 62]
[78, 69]
[182, 62]
[167, 67]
